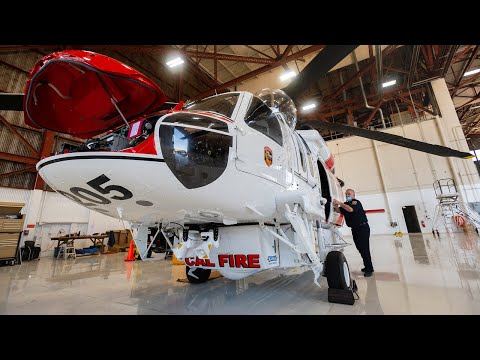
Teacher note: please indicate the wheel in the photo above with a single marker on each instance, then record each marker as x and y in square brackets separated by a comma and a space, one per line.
[337, 270]
[12, 262]
[198, 276]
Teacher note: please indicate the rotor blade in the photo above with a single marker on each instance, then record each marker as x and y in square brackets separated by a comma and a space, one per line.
[396, 140]
[320, 65]
[11, 101]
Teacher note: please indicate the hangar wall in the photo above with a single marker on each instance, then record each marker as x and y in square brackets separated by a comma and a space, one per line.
[14, 195]
[51, 212]
[408, 174]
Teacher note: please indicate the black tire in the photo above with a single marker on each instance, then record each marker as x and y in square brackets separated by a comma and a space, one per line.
[334, 270]
[202, 274]
[12, 262]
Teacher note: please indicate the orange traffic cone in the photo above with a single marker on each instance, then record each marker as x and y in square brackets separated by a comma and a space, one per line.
[130, 255]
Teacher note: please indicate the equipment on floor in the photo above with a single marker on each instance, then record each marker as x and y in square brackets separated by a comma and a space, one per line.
[67, 249]
[11, 225]
[131, 251]
[450, 211]
[90, 250]
[29, 251]
[119, 240]
[344, 296]
[341, 286]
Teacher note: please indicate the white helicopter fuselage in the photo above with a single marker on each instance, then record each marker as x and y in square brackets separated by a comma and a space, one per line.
[247, 190]
[254, 176]
[226, 180]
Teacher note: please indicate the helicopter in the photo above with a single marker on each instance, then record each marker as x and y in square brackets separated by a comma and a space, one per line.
[228, 180]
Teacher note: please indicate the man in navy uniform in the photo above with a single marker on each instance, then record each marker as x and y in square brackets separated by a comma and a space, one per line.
[356, 219]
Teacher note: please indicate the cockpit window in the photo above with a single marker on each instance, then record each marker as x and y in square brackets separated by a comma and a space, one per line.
[261, 118]
[197, 120]
[223, 104]
[195, 148]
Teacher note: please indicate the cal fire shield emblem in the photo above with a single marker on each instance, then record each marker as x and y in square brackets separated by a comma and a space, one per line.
[268, 155]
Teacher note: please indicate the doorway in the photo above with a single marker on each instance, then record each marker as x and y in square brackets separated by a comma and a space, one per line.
[325, 188]
[411, 219]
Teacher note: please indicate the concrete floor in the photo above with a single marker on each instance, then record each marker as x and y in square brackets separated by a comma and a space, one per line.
[413, 275]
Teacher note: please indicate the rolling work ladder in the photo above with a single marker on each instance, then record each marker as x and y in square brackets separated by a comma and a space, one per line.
[450, 211]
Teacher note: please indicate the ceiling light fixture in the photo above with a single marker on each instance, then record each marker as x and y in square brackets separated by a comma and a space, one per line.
[389, 83]
[287, 75]
[471, 72]
[175, 62]
[308, 106]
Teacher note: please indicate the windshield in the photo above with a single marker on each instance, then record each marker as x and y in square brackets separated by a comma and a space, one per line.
[222, 104]
[195, 148]
[278, 99]
[261, 118]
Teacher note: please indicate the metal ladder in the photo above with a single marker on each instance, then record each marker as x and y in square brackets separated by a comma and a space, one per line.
[449, 208]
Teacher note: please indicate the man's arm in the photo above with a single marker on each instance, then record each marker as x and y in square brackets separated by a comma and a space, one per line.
[337, 205]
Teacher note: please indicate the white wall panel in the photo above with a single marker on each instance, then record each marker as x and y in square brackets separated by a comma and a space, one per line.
[58, 209]
[399, 174]
[358, 169]
[14, 195]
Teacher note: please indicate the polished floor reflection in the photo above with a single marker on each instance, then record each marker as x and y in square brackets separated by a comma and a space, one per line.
[413, 275]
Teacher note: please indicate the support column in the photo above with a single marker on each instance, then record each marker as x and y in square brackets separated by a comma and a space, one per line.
[384, 185]
[468, 181]
[48, 141]
[33, 210]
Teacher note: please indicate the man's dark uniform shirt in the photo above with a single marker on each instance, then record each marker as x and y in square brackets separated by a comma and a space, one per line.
[357, 217]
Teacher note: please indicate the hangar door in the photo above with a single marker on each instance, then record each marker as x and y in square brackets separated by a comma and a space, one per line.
[411, 219]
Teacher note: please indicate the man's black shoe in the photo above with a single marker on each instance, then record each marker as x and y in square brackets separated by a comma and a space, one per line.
[368, 273]
[363, 270]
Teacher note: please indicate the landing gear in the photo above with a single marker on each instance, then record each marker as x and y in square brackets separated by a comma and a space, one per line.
[337, 271]
[138, 257]
[198, 275]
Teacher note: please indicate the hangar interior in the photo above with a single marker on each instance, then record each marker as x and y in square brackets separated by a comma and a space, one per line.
[428, 93]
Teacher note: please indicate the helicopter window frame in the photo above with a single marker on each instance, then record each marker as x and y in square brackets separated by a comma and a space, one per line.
[200, 121]
[309, 152]
[253, 118]
[216, 100]
[303, 153]
[297, 162]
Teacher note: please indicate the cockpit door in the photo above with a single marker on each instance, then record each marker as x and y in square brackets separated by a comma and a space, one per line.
[259, 144]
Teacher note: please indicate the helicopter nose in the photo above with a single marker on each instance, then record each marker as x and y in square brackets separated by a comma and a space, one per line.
[195, 146]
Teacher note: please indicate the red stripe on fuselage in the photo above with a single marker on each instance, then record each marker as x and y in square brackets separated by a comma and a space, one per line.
[145, 147]
[330, 161]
